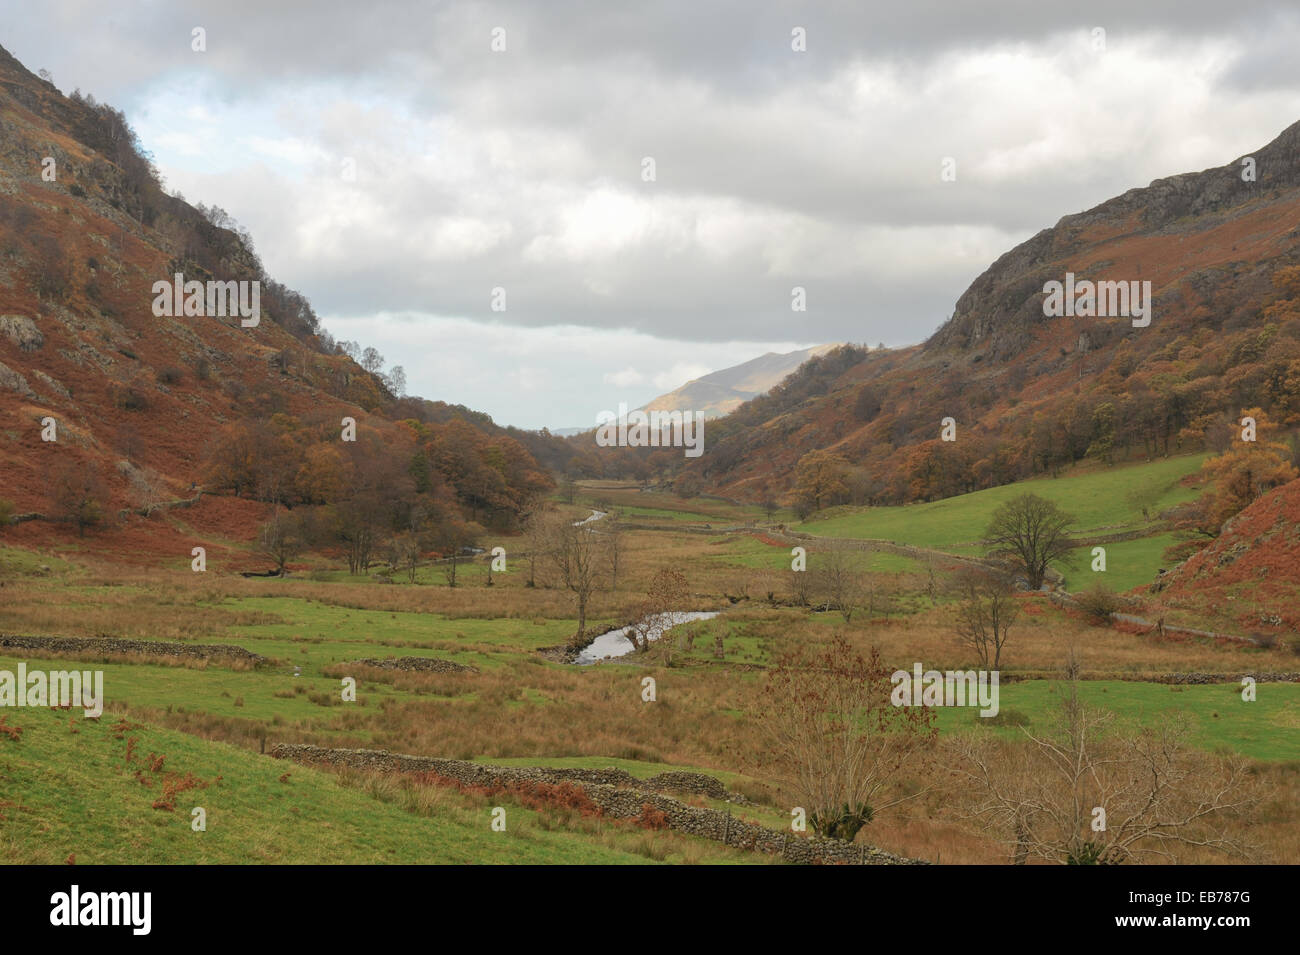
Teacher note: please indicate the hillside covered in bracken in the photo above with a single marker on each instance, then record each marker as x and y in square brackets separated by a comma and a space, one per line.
[134, 432]
[1030, 395]
[1248, 574]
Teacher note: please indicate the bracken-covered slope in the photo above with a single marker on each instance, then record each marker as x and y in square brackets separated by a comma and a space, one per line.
[143, 403]
[1029, 393]
[1250, 574]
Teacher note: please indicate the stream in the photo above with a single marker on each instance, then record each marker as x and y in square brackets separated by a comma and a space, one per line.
[613, 643]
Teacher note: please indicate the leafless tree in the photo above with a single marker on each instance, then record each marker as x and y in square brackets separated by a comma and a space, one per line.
[835, 737]
[668, 591]
[614, 542]
[1089, 791]
[579, 556]
[280, 538]
[78, 494]
[542, 530]
[1033, 533]
[985, 615]
[844, 587]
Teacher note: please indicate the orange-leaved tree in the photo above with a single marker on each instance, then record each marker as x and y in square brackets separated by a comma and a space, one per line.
[1255, 463]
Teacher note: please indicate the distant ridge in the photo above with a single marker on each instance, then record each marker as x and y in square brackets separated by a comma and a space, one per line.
[721, 392]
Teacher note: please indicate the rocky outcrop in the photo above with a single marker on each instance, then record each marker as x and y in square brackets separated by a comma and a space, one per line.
[22, 331]
[11, 380]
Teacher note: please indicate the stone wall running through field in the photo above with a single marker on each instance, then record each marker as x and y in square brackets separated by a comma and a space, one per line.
[618, 794]
[93, 646]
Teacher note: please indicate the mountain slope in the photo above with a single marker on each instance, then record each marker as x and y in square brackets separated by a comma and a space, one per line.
[723, 391]
[148, 409]
[1248, 575]
[1031, 394]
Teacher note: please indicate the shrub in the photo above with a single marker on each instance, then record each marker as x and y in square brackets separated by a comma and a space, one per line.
[1005, 717]
[652, 818]
[1098, 602]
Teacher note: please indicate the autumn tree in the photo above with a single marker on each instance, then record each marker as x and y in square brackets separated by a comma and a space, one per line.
[1246, 470]
[377, 500]
[820, 479]
[1033, 533]
[324, 473]
[836, 739]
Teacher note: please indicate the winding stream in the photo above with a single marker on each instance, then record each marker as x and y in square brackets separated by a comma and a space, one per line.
[614, 643]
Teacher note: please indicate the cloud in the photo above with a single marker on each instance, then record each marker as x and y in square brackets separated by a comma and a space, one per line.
[624, 379]
[523, 170]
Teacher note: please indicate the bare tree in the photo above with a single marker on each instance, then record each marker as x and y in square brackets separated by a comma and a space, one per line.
[454, 538]
[78, 494]
[1091, 792]
[404, 551]
[541, 532]
[844, 587]
[985, 615]
[281, 539]
[578, 555]
[801, 587]
[1033, 533]
[613, 532]
[668, 590]
[836, 738]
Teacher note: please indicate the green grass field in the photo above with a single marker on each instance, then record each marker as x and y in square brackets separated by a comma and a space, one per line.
[1264, 729]
[69, 790]
[1098, 500]
[66, 785]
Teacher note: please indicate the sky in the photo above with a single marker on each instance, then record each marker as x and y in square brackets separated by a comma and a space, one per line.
[541, 210]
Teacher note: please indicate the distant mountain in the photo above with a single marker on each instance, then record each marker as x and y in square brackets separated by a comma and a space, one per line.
[721, 392]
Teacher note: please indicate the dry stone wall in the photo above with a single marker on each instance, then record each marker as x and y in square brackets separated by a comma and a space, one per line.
[419, 664]
[116, 645]
[618, 794]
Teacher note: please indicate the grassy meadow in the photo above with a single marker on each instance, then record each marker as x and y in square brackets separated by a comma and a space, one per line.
[69, 786]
